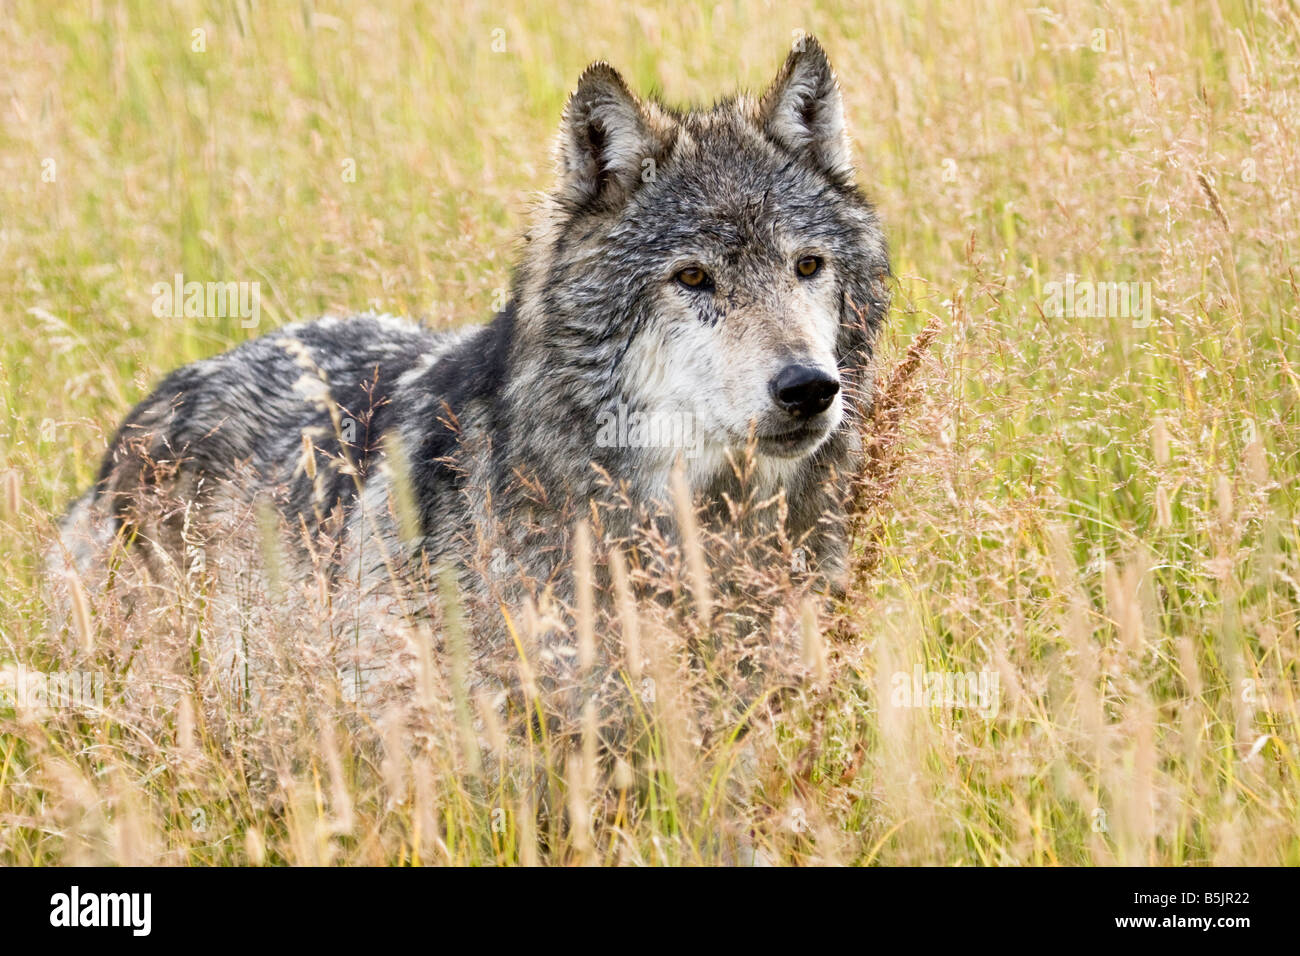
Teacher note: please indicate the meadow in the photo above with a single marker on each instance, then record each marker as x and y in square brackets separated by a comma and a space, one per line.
[1091, 507]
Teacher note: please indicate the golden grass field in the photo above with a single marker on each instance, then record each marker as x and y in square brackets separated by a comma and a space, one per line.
[1101, 512]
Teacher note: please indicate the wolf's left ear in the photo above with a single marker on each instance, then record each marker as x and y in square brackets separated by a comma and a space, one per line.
[802, 111]
[604, 139]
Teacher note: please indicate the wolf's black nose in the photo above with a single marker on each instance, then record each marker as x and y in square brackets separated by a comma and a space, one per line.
[804, 391]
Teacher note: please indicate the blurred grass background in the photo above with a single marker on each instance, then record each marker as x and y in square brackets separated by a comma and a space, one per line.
[1091, 501]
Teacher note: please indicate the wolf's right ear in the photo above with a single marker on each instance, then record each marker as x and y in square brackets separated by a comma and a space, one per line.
[605, 140]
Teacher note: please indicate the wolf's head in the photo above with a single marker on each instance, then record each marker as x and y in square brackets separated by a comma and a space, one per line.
[704, 278]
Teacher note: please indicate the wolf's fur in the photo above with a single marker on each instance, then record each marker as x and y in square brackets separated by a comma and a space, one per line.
[495, 428]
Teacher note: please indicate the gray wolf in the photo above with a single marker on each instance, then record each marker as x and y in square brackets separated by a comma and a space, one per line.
[716, 269]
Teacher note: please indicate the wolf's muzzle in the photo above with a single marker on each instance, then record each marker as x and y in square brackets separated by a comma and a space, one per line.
[804, 390]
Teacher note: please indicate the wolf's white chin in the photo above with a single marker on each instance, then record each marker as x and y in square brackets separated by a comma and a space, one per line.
[793, 447]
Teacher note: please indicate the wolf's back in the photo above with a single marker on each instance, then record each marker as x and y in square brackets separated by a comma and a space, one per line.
[239, 419]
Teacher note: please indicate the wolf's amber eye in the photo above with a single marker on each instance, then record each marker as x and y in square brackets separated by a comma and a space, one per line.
[808, 266]
[693, 277]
